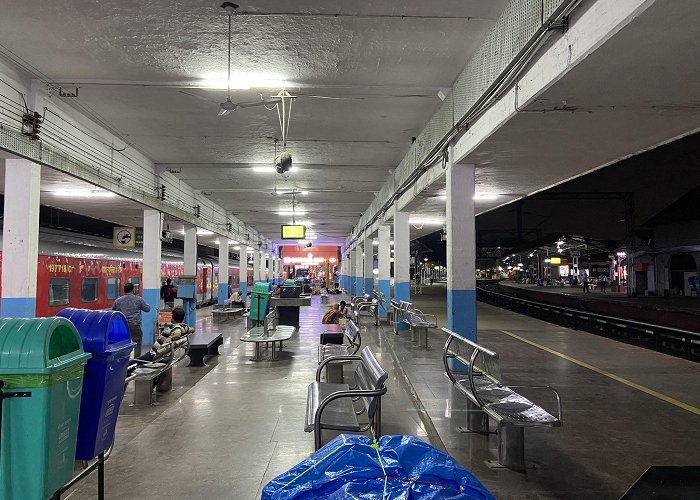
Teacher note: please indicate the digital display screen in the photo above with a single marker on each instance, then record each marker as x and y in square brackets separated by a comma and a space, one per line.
[293, 232]
[556, 260]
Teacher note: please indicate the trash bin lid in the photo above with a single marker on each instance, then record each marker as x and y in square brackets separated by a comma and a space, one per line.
[40, 345]
[101, 331]
[261, 288]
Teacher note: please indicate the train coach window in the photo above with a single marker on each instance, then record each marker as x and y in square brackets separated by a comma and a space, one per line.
[88, 292]
[59, 291]
[137, 284]
[114, 285]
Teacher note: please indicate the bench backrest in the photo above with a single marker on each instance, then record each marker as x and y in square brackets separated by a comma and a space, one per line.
[352, 333]
[369, 375]
[475, 358]
[270, 322]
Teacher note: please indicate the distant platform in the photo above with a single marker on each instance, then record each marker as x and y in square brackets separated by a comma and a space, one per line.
[675, 311]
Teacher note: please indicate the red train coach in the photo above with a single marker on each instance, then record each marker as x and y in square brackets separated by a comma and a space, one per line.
[77, 274]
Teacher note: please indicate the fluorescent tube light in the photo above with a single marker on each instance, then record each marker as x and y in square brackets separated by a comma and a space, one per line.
[421, 220]
[289, 212]
[84, 193]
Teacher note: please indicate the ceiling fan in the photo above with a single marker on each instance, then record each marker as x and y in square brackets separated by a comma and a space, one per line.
[228, 105]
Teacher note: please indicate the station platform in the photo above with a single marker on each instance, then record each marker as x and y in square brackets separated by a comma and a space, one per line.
[675, 311]
[230, 427]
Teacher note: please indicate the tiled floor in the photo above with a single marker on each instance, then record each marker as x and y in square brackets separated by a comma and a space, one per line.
[228, 428]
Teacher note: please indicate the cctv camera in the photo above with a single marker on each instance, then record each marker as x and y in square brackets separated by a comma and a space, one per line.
[283, 162]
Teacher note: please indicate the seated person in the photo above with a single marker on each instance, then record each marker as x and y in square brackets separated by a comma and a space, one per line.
[172, 331]
[344, 310]
[335, 312]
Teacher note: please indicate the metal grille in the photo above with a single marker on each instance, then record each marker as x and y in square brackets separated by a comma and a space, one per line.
[437, 128]
[550, 6]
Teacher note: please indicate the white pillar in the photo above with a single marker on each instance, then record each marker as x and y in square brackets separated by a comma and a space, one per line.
[402, 249]
[352, 260]
[150, 289]
[243, 272]
[278, 275]
[20, 232]
[369, 266]
[359, 269]
[191, 251]
[269, 276]
[461, 251]
[384, 258]
[256, 266]
[223, 270]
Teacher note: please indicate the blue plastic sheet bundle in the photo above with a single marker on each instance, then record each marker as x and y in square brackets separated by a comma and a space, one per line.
[395, 467]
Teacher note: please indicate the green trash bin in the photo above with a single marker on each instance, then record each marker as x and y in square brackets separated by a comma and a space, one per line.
[259, 301]
[38, 433]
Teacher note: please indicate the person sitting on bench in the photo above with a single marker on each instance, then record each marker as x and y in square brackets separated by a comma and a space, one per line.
[173, 331]
[170, 333]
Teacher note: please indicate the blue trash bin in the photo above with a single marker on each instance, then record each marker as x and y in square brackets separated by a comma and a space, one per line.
[105, 335]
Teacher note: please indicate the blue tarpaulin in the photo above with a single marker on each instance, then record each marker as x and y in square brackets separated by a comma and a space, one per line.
[395, 467]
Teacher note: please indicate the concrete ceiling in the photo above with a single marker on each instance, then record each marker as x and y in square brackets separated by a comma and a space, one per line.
[639, 90]
[377, 65]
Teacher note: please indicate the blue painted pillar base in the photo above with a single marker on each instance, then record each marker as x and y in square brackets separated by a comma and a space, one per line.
[402, 291]
[243, 287]
[385, 288]
[148, 319]
[369, 286]
[461, 313]
[190, 307]
[18, 307]
[223, 293]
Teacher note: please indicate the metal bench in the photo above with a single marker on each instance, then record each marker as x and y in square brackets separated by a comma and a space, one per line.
[330, 406]
[334, 371]
[269, 333]
[381, 303]
[204, 344]
[368, 308]
[225, 311]
[420, 323]
[157, 373]
[489, 397]
[399, 313]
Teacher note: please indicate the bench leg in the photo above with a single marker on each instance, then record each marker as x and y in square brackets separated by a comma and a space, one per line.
[214, 348]
[197, 357]
[477, 420]
[422, 334]
[511, 446]
[258, 351]
[165, 383]
[143, 392]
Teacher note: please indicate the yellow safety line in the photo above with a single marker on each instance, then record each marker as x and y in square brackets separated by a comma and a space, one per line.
[646, 390]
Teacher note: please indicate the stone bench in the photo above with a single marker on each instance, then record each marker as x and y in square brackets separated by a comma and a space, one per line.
[202, 345]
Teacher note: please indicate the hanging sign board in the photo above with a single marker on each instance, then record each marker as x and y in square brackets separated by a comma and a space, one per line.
[124, 237]
[293, 232]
